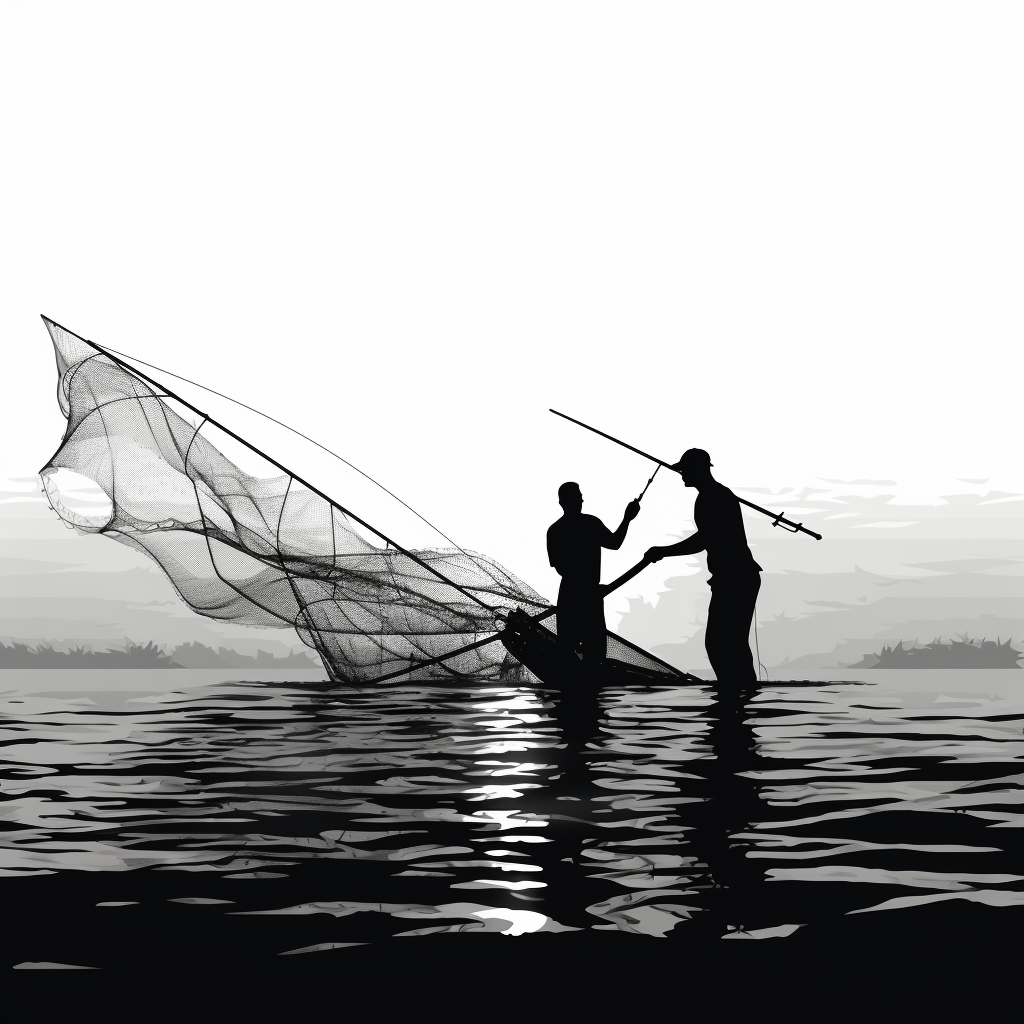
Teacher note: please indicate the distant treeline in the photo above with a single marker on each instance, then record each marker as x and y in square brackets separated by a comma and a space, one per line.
[961, 653]
[149, 655]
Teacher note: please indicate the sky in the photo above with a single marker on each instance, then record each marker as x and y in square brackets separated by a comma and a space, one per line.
[786, 232]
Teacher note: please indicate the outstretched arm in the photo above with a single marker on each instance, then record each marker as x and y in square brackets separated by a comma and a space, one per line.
[689, 546]
[613, 541]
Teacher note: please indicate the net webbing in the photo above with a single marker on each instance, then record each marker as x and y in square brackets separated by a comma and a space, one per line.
[264, 551]
[626, 653]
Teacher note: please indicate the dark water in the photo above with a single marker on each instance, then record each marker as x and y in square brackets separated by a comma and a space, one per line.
[167, 822]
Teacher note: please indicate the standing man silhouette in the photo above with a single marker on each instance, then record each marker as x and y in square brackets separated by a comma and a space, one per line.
[574, 549]
[735, 578]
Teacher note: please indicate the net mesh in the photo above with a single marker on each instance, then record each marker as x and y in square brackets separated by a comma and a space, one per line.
[265, 552]
[627, 653]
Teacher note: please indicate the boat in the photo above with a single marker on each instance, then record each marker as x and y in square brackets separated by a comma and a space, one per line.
[535, 645]
[277, 551]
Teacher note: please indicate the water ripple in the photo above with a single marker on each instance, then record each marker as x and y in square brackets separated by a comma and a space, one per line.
[300, 805]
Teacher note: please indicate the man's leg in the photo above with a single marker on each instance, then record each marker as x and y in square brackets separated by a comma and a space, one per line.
[584, 635]
[746, 599]
[580, 624]
[727, 636]
[573, 617]
[715, 643]
[595, 634]
[568, 622]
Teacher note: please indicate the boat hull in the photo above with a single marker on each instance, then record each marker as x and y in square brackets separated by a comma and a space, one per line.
[536, 647]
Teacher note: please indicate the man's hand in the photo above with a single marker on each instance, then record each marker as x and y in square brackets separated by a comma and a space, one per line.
[632, 511]
[654, 554]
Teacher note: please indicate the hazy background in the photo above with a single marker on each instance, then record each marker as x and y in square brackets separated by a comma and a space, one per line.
[788, 233]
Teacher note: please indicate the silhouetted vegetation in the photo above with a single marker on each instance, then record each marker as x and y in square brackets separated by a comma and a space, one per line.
[197, 655]
[960, 653]
[45, 655]
[145, 656]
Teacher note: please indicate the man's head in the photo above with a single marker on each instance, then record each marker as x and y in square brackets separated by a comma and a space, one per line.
[694, 467]
[570, 497]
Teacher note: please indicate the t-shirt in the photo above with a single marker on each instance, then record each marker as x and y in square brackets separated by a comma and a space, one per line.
[574, 547]
[719, 522]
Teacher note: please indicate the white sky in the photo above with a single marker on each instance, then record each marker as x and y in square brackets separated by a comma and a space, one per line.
[786, 232]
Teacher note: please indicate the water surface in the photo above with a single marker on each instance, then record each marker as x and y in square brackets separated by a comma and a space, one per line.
[175, 817]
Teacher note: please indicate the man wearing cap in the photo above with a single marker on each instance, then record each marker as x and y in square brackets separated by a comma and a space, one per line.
[574, 549]
[735, 578]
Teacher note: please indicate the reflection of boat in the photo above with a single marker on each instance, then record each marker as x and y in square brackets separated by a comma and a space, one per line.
[536, 646]
[274, 550]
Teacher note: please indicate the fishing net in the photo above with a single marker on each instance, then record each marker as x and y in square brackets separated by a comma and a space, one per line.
[265, 552]
[633, 657]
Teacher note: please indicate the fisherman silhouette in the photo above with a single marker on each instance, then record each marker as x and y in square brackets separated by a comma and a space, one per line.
[735, 578]
[574, 549]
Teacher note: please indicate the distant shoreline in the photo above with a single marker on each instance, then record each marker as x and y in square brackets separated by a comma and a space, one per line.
[45, 654]
[962, 653]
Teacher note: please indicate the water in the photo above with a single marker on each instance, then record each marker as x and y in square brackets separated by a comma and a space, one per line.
[177, 818]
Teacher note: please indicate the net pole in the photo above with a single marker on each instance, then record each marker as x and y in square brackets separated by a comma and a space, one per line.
[459, 650]
[284, 469]
[787, 524]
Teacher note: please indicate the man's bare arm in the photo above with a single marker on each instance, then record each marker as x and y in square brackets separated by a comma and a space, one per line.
[688, 546]
[613, 541]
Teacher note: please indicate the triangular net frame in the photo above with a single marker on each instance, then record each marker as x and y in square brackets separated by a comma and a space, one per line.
[266, 551]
